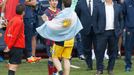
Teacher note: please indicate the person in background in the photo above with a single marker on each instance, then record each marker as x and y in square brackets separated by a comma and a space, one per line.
[15, 39]
[79, 46]
[128, 7]
[34, 37]
[86, 11]
[42, 6]
[29, 21]
[8, 9]
[109, 27]
[121, 38]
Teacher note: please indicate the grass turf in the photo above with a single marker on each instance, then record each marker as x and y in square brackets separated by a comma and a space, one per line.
[40, 68]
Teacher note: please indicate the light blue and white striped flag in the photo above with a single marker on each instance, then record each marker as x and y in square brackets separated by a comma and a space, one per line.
[54, 29]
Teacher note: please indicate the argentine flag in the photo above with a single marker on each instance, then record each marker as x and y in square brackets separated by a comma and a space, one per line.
[63, 27]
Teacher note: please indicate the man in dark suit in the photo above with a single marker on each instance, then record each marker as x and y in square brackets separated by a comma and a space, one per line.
[109, 26]
[85, 10]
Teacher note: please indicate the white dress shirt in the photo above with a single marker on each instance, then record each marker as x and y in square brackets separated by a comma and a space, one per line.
[91, 3]
[109, 17]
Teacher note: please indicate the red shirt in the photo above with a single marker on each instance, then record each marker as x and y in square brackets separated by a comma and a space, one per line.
[14, 35]
[51, 14]
[10, 9]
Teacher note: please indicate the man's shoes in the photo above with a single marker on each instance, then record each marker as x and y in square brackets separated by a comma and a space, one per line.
[127, 69]
[82, 57]
[99, 72]
[110, 73]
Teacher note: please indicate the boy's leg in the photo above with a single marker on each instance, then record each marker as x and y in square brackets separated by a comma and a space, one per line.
[56, 53]
[57, 64]
[12, 69]
[51, 67]
[55, 71]
[66, 57]
[66, 66]
[15, 55]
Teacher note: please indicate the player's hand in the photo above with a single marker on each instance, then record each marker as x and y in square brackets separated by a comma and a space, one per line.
[44, 17]
[6, 50]
[3, 22]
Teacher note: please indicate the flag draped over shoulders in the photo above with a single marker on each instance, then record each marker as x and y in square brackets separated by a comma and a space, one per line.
[55, 29]
[63, 27]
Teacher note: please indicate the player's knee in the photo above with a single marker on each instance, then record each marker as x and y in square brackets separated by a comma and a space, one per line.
[13, 67]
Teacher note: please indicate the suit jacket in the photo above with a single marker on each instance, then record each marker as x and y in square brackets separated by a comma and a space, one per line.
[101, 18]
[86, 19]
[129, 15]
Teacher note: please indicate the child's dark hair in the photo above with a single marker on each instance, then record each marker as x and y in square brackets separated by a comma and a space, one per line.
[67, 3]
[20, 8]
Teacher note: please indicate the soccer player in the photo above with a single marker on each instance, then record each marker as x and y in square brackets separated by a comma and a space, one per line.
[62, 29]
[49, 14]
[62, 50]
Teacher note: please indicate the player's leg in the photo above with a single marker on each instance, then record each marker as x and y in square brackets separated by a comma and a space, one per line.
[56, 53]
[15, 59]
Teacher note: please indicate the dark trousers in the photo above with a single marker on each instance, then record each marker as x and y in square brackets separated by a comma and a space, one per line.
[129, 45]
[106, 40]
[28, 23]
[88, 40]
[79, 45]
